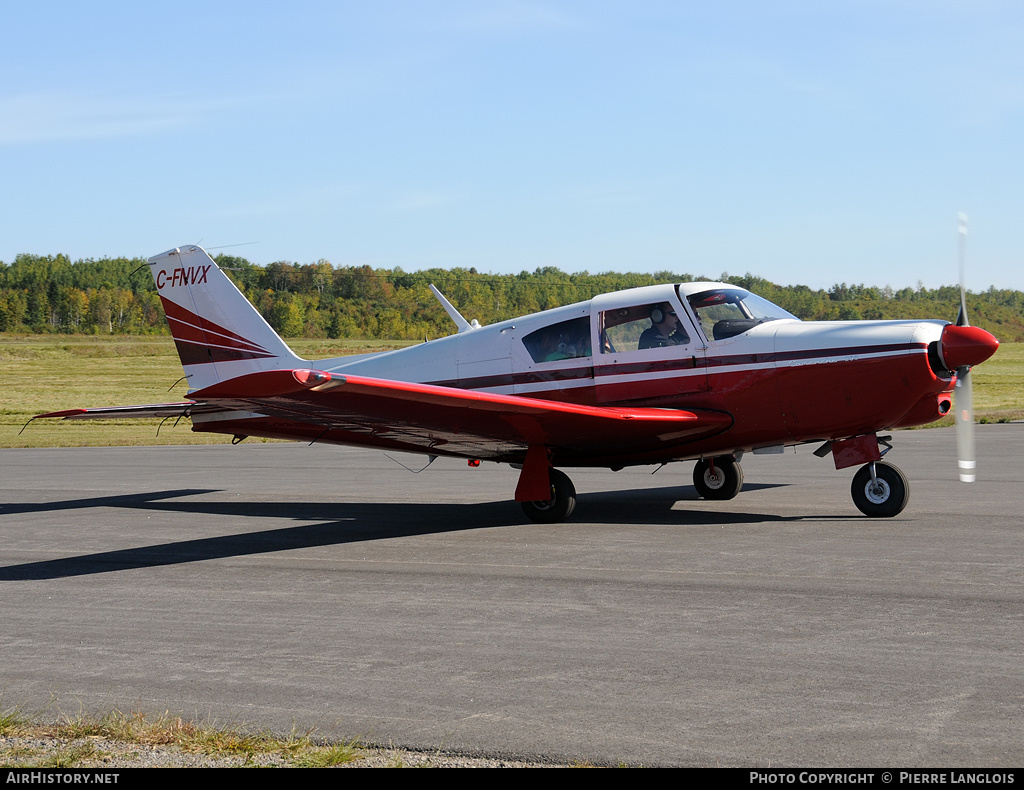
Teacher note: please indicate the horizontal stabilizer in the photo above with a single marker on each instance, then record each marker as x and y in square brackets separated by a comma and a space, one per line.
[162, 410]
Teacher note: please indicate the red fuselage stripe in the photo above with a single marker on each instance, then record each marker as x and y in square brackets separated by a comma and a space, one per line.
[718, 363]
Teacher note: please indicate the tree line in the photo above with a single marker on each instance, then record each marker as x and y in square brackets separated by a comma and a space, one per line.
[42, 294]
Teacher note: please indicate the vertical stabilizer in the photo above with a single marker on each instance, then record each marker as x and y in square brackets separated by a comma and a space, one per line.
[218, 333]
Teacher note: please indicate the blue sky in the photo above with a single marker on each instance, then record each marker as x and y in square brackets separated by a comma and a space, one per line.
[805, 142]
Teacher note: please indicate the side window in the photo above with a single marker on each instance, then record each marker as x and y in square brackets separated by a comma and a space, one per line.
[641, 327]
[712, 310]
[565, 340]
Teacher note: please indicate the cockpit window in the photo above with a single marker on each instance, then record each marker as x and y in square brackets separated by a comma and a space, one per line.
[640, 327]
[727, 312]
[564, 340]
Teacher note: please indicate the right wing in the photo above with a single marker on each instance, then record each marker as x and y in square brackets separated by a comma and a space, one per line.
[467, 423]
[429, 418]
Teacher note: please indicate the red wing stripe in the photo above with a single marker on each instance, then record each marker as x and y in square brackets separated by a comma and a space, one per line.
[397, 410]
[283, 383]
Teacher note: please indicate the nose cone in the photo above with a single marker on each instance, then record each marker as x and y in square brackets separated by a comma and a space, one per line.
[966, 345]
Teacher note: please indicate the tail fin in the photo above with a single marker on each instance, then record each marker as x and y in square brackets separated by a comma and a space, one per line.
[218, 333]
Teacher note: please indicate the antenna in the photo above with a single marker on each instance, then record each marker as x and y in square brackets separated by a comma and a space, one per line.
[455, 315]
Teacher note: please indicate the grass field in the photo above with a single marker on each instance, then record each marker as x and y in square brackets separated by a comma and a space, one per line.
[47, 373]
[41, 374]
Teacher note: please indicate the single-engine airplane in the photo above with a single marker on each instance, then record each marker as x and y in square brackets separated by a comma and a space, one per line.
[699, 371]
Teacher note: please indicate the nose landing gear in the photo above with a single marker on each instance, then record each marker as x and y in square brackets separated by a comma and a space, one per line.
[880, 490]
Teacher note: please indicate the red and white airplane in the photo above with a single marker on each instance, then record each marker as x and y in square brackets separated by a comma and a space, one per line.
[696, 371]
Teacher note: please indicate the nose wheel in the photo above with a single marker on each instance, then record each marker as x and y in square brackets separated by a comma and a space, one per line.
[880, 490]
[718, 478]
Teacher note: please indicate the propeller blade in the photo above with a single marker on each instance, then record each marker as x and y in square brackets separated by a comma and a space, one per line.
[963, 395]
[964, 398]
[961, 319]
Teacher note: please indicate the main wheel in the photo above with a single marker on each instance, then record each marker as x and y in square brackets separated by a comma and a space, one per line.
[561, 504]
[724, 481]
[883, 497]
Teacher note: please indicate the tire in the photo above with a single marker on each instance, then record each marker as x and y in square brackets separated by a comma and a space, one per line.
[724, 482]
[887, 498]
[561, 504]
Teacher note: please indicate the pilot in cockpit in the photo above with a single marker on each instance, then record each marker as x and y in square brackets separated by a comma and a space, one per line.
[665, 329]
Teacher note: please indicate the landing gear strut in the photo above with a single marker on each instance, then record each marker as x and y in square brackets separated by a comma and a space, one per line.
[880, 490]
[718, 478]
[561, 504]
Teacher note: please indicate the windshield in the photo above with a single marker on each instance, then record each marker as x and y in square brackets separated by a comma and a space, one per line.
[727, 312]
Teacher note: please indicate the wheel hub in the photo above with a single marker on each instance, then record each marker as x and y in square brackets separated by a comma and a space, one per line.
[877, 491]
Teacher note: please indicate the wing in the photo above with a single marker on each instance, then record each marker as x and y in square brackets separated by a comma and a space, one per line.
[426, 418]
[450, 421]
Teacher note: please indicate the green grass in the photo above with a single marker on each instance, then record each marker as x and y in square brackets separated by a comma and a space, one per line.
[11, 721]
[327, 756]
[67, 757]
[47, 373]
[999, 384]
[78, 734]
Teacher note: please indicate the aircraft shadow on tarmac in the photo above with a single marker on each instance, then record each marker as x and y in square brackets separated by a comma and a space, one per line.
[124, 500]
[339, 523]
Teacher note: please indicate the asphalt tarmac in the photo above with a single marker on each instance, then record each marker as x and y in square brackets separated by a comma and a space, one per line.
[281, 586]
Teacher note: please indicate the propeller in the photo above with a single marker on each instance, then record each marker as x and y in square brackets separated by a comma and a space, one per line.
[962, 346]
[964, 396]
